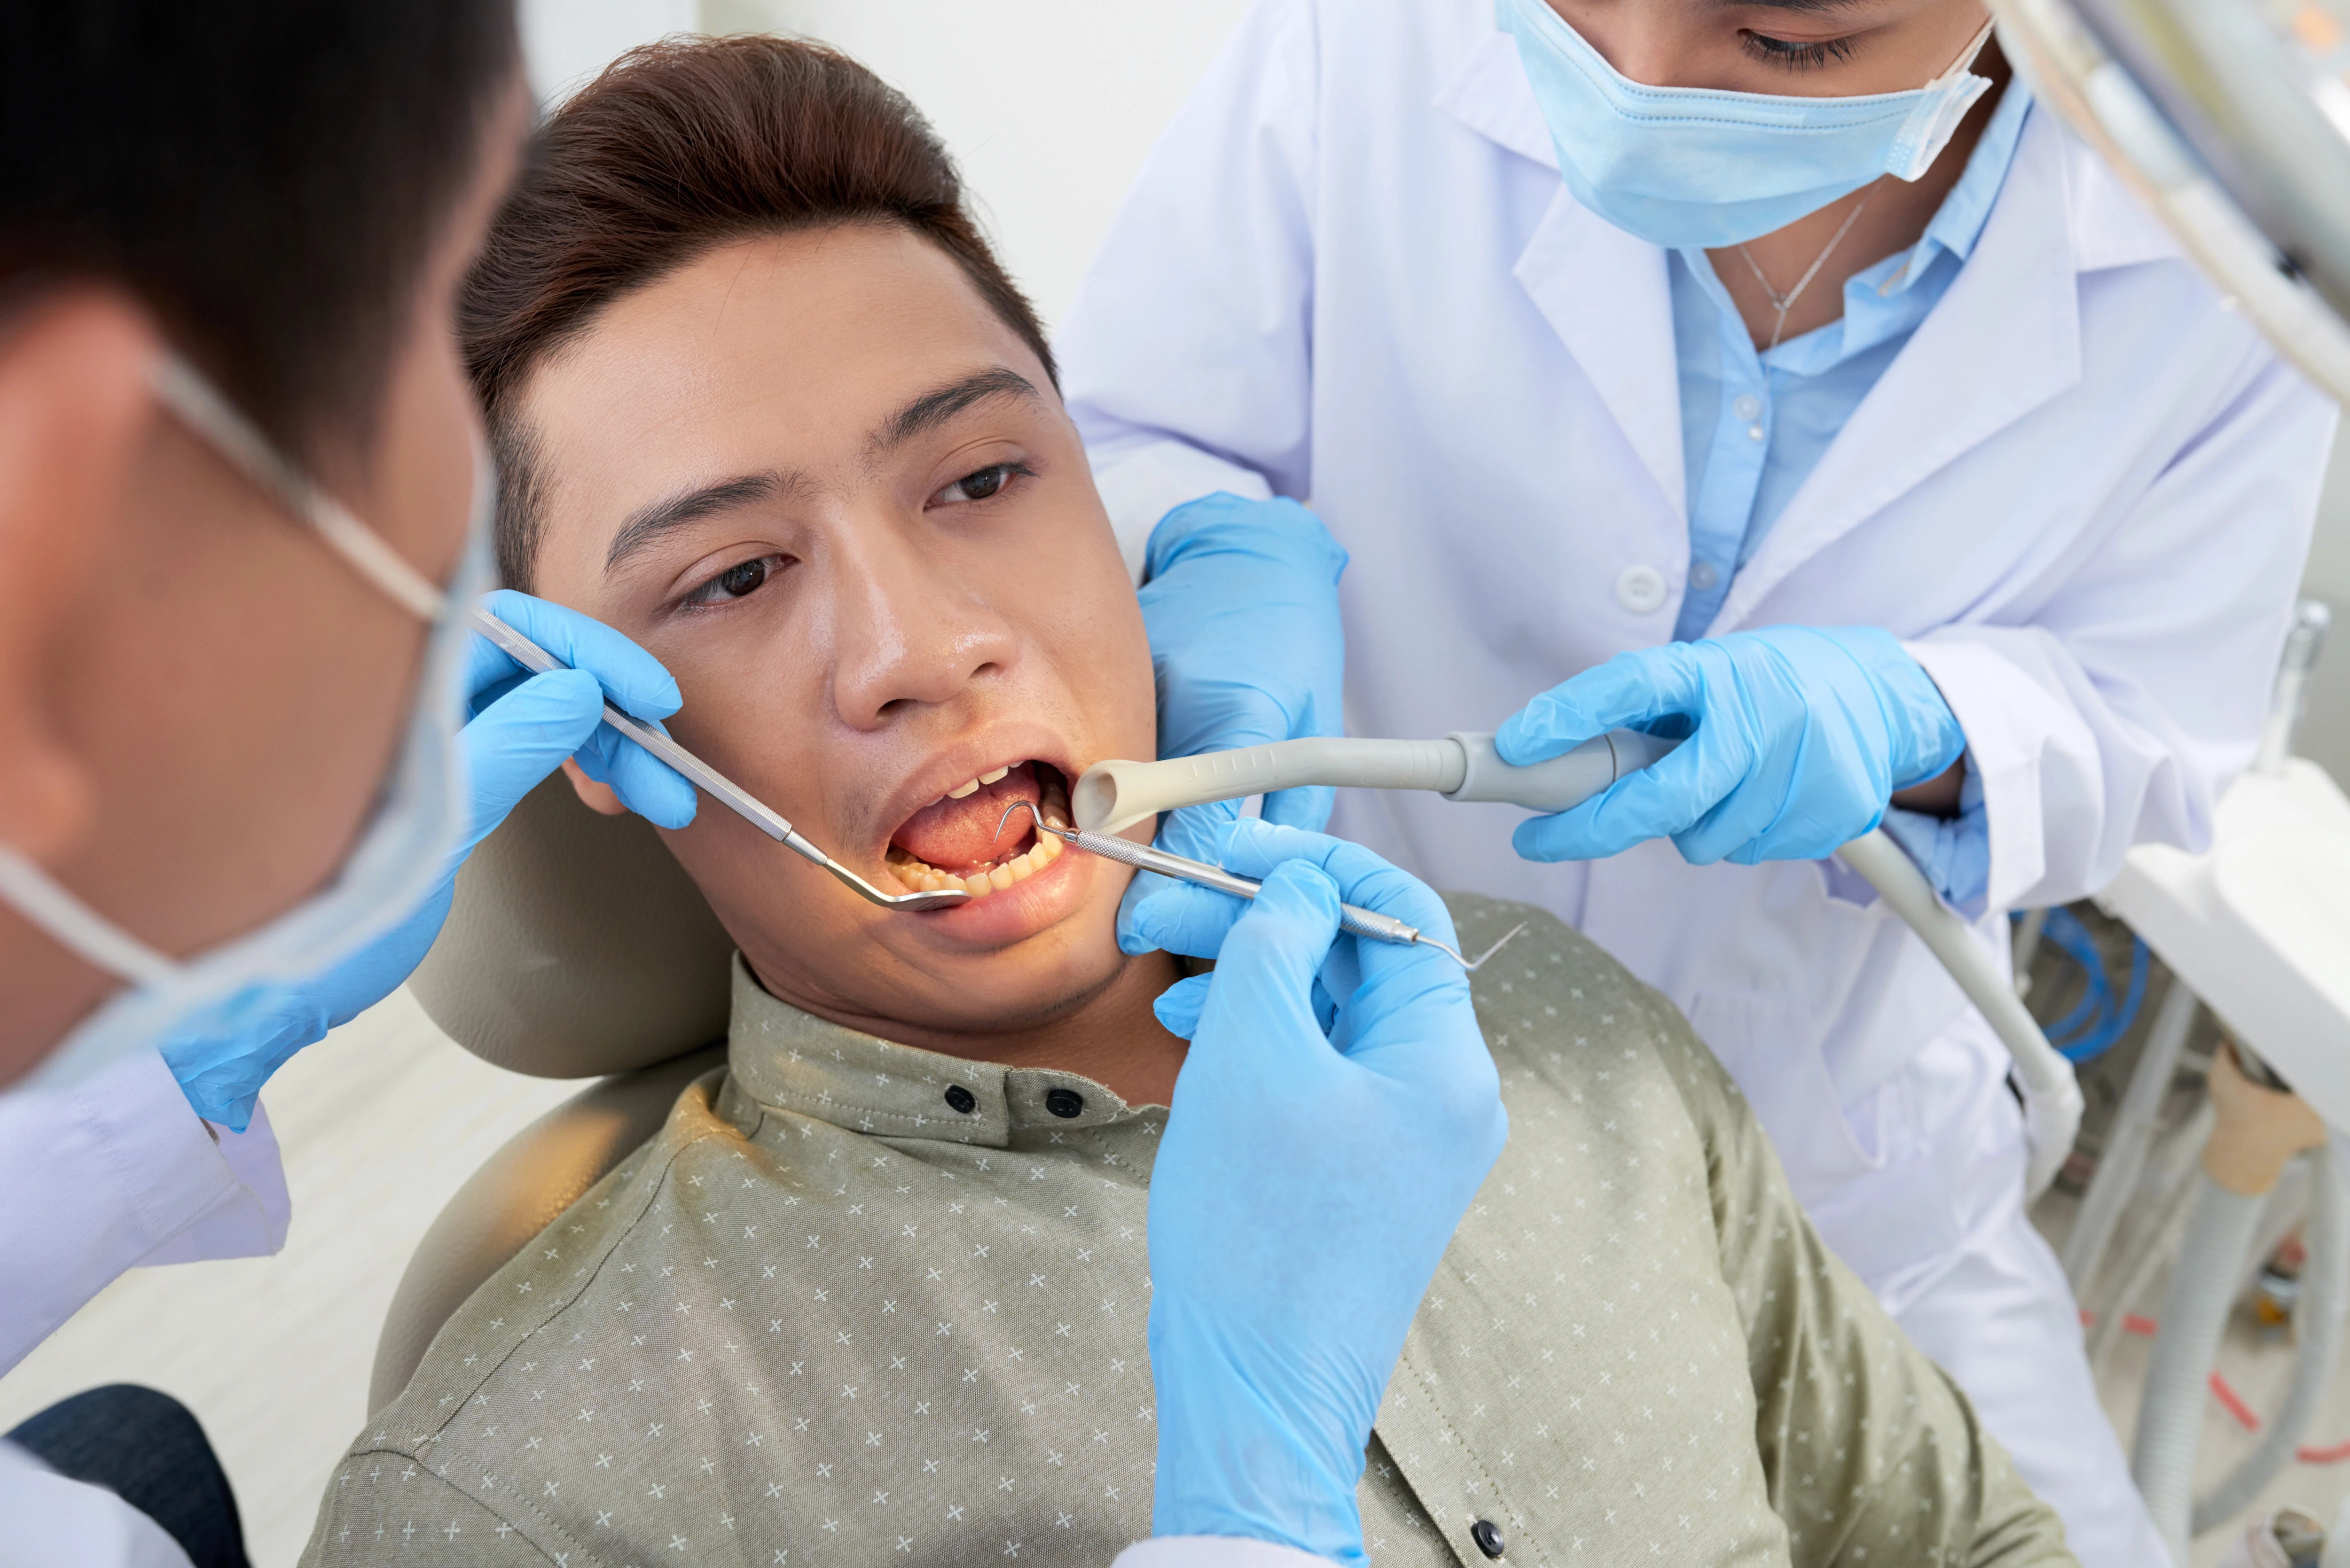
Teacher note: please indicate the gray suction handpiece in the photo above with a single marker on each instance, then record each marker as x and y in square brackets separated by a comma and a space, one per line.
[1112, 795]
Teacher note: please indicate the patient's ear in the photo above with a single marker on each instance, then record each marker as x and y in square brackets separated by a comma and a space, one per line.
[601, 798]
[75, 409]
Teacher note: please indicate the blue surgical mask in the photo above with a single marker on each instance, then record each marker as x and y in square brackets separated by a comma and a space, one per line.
[418, 818]
[1690, 168]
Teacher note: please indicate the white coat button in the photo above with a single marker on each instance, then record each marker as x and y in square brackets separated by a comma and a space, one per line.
[1747, 405]
[1640, 589]
[1702, 575]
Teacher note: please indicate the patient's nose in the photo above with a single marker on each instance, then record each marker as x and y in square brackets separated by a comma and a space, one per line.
[910, 632]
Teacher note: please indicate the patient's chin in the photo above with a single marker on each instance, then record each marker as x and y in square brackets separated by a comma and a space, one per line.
[1014, 959]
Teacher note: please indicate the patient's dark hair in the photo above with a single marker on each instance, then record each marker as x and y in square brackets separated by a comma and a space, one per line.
[677, 148]
[267, 178]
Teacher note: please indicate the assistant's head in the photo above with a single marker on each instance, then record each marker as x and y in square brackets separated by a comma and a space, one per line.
[764, 401]
[198, 700]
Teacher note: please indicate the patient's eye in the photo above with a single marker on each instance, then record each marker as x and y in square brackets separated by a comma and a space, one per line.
[981, 483]
[737, 581]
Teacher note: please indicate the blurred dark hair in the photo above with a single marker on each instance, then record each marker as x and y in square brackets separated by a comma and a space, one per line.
[677, 148]
[266, 177]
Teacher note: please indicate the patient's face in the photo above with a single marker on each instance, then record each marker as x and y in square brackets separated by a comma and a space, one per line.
[841, 502]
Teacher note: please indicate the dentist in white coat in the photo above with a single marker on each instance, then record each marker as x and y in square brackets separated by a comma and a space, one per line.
[1825, 401]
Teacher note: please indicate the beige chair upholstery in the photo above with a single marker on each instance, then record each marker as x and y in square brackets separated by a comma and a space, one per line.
[576, 949]
[577, 946]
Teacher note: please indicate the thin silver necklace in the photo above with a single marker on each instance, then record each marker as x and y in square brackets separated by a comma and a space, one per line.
[1783, 303]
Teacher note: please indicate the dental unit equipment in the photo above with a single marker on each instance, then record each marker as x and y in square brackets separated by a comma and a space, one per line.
[1466, 767]
[1352, 919]
[710, 780]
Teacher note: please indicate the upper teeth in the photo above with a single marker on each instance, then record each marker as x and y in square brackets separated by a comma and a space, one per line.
[971, 787]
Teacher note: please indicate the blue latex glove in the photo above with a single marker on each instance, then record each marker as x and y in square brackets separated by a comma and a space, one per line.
[1241, 599]
[519, 729]
[1797, 737]
[1307, 1184]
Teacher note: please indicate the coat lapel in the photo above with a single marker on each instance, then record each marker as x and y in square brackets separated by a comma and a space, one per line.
[1604, 293]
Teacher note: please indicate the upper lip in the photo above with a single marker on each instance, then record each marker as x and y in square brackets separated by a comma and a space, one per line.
[1004, 747]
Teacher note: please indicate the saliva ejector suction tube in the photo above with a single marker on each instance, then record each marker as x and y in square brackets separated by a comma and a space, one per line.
[1111, 795]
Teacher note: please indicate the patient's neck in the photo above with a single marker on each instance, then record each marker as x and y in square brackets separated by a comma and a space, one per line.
[1111, 1035]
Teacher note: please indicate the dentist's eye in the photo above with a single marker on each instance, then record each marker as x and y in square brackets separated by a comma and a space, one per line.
[738, 581]
[983, 484]
[1797, 56]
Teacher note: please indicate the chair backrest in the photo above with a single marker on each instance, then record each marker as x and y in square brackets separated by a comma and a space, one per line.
[576, 948]
[577, 945]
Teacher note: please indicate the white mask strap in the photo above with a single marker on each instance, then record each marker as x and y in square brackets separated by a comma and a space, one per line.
[184, 391]
[1967, 56]
[75, 925]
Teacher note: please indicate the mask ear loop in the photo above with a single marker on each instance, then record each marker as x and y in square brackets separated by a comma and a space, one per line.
[184, 391]
[1967, 56]
[1942, 103]
[73, 924]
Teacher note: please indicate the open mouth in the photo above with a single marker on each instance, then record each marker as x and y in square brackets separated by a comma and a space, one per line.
[955, 842]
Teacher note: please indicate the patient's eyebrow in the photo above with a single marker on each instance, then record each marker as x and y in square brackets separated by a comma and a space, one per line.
[935, 408]
[648, 523]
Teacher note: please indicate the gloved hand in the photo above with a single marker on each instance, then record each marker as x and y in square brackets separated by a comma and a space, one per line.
[519, 729]
[1241, 599]
[1797, 737]
[1308, 1182]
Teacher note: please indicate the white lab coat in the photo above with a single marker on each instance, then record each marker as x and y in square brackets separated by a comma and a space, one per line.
[2082, 495]
[107, 1177]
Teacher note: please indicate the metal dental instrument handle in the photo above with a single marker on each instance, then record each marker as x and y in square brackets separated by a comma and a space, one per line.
[1352, 918]
[707, 779]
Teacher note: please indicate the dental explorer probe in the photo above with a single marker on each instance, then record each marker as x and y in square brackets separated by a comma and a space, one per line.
[1352, 918]
[709, 780]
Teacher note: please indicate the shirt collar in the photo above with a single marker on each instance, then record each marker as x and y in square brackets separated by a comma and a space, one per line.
[1959, 222]
[794, 1061]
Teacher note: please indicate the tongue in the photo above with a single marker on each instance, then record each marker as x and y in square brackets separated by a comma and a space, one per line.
[960, 834]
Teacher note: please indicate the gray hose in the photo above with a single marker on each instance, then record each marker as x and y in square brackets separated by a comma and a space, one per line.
[2052, 1095]
[2194, 1315]
[1112, 794]
[2317, 1324]
[2132, 1136]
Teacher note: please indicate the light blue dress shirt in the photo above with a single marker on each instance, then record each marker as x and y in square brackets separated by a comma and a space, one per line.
[1754, 425]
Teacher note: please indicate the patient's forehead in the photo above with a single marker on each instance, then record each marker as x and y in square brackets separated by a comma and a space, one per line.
[773, 352]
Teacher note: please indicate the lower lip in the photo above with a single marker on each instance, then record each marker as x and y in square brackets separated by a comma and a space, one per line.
[1021, 911]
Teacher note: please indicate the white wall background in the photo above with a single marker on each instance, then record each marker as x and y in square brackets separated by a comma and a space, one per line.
[564, 42]
[1048, 105]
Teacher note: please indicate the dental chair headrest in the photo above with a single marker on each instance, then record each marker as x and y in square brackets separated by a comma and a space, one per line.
[575, 947]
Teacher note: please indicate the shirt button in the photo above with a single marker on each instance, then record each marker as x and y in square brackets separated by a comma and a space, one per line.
[1747, 405]
[1703, 577]
[962, 1099]
[1488, 1537]
[1640, 589]
[1754, 433]
[1064, 1102]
